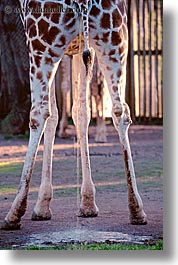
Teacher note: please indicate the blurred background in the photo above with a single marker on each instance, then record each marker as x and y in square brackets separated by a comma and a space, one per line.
[144, 91]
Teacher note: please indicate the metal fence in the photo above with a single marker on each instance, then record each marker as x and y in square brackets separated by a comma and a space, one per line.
[144, 91]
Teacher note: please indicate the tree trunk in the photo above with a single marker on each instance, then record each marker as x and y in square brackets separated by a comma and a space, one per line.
[14, 71]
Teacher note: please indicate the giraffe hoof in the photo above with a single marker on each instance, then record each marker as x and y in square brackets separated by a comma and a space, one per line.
[41, 217]
[88, 212]
[10, 225]
[141, 219]
[86, 215]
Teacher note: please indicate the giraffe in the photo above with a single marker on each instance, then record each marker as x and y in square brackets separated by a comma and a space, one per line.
[65, 81]
[96, 90]
[55, 27]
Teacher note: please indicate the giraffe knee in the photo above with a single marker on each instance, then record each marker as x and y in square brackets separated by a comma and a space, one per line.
[38, 118]
[127, 117]
[121, 113]
[81, 116]
[34, 124]
[117, 110]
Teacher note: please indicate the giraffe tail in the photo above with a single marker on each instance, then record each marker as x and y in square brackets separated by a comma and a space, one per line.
[87, 58]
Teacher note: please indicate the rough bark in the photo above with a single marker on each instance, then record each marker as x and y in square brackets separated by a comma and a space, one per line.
[14, 71]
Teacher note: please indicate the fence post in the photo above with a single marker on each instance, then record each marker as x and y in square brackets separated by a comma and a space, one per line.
[130, 64]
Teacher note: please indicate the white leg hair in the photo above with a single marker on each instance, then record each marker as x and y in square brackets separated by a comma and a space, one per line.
[42, 208]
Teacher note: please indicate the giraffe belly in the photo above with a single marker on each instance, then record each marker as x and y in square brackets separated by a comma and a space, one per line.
[76, 46]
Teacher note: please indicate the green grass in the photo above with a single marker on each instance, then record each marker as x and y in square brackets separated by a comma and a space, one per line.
[100, 246]
[65, 192]
[10, 168]
[7, 189]
[8, 137]
[24, 136]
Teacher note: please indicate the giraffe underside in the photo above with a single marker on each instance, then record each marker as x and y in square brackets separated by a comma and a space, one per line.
[50, 34]
[76, 46]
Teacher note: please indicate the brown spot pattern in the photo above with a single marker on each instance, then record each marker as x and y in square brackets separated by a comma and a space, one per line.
[70, 25]
[37, 61]
[48, 75]
[115, 88]
[105, 37]
[48, 61]
[62, 39]
[31, 28]
[106, 4]
[52, 53]
[67, 17]
[55, 17]
[116, 19]
[105, 21]
[39, 75]
[34, 124]
[32, 69]
[119, 73]
[122, 48]
[112, 52]
[115, 38]
[94, 11]
[46, 98]
[38, 46]
[47, 35]
[35, 7]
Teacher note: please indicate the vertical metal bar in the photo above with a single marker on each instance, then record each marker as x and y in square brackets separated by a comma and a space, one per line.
[132, 64]
[128, 79]
[71, 83]
[130, 88]
[150, 56]
[161, 13]
[156, 57]
[138, 52]
[144, 56]
[160, 62]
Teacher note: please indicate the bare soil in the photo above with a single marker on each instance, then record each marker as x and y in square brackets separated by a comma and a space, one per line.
[111, 190]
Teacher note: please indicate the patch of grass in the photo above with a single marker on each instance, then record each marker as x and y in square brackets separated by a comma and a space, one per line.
[8, 137]
[151, 168]
[24, 136]
[111, 188]
[151, 184]
[100, 246]
[65, 192]
[10, 167]
[7, 189]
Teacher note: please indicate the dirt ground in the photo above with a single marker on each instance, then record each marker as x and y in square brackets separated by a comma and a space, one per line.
[111, 190]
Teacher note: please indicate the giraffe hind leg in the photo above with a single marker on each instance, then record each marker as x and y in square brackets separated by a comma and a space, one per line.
[121, 118]
[137, 214]
[81, 118]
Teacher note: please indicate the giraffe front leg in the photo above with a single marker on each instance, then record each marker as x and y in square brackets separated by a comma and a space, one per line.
[42, 209]
[39, 114]
[122, 123]
[19, 205]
